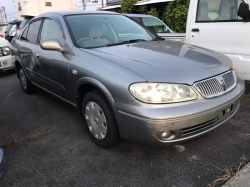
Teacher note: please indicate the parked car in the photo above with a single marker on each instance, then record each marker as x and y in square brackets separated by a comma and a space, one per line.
[6, 61]
[1, 163]
[3, 28]
[125, 81]
[216, 25]
[11, 30]
[25, 21]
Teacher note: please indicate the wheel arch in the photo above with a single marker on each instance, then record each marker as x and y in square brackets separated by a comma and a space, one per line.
[87, 84]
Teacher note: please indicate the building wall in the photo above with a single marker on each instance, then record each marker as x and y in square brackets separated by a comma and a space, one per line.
[25, 7]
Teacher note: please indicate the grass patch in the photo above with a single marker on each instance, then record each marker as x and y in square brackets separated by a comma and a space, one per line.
[229, 172]
[14, 139]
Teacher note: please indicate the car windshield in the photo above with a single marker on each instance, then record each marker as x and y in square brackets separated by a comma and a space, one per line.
[101, 30]
[155, 25]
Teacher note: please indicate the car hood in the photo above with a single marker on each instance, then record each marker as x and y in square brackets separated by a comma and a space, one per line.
[166, 61]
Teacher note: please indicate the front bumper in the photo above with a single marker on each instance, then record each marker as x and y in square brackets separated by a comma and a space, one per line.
[7, 62]
[144, 123]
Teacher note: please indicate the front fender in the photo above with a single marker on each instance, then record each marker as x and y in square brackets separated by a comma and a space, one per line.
[98, 85]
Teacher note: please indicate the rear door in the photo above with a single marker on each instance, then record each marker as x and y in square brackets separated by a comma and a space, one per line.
[52, 67]
[29, 46]
[214, 24]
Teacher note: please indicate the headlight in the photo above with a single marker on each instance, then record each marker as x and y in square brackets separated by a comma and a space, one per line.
[6, 51]
[235, 71]
[162, 92]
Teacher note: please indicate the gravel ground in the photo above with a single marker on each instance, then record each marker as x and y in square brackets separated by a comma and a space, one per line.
[66, 156]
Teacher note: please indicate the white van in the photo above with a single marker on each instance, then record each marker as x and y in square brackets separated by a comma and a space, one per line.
[215, 25]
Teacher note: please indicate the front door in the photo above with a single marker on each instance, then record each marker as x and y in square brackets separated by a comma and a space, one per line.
[214, 24]
[29, 48]
[52, 67]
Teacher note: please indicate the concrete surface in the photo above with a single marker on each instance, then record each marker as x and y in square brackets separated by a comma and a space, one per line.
[241, 179]
[66, 156]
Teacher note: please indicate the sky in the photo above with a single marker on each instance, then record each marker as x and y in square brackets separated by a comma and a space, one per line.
[11, 10]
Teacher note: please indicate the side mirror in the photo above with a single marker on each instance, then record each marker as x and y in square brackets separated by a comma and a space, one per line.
[51, 44]
[244, 11]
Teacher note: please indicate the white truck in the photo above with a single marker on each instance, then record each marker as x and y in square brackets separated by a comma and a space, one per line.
[215, 25]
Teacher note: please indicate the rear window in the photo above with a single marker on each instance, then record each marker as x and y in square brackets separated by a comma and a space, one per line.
[9, 27]
[24, 23]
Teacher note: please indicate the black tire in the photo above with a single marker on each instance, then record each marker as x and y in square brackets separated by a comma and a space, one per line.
[112, 137]
[29, 88]
[11, 71]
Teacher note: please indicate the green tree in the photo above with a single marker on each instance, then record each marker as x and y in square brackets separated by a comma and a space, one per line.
[176, 15]
[127, 6]
[154, 12]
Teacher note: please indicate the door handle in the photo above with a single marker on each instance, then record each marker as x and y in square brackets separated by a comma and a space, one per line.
[195, 30]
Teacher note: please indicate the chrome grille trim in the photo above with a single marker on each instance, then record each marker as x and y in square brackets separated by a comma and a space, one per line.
[217, 85]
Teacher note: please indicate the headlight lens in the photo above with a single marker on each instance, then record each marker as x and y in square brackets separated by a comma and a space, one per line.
[162, 92]
[235, 71]
[6, 51]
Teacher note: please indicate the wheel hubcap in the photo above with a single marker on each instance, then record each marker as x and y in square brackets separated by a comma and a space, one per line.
[23, 79]
[96, 120]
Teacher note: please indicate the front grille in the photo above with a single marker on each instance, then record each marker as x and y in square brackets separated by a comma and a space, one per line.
[198, 128]
[215, 86]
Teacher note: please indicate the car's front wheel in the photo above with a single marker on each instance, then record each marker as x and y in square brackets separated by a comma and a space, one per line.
[25, 82]
[99, 120]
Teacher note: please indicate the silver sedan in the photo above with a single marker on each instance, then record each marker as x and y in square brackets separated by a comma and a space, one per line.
[125, 81]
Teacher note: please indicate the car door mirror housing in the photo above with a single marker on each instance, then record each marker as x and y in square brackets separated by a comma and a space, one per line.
[52, 45]
[244, 12]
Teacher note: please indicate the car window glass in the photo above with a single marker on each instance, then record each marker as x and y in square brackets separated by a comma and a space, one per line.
[99, 30]
[24, 35]
[218, 10]
[33, 31]
[9, 27]
[24, 23]
[155, 25]
[50, 30]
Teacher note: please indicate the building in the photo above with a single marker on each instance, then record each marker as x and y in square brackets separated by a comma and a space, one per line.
[29, 7]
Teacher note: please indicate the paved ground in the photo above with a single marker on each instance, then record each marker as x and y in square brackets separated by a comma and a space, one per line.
[240, 179]
[65, 155]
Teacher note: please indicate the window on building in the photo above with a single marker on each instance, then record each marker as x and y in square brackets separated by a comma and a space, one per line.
[48, 4]
[33, 31]
[19, 6]
[50, 30]
[218, 10]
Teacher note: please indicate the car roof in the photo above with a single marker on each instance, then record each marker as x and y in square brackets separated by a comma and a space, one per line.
[74, 12]
[138, 15]
[16, 21]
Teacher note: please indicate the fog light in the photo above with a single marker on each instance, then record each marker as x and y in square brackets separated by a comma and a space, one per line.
[5, 63]
[166, 135]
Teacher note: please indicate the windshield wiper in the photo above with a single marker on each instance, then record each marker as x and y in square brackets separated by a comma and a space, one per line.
[126, 42]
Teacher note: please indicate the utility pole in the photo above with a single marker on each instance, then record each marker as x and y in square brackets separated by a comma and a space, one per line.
[102, 3]
[83, 5]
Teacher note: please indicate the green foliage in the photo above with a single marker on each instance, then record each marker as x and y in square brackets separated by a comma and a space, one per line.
[176, 15]
[127, 6]
[154, 12]
[142, 9]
